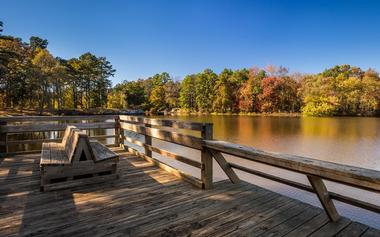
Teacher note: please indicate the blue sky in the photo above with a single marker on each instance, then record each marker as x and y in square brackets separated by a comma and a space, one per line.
[142, 38]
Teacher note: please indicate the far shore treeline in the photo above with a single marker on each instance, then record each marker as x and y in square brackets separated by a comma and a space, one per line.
[341, 90]
[32, 78]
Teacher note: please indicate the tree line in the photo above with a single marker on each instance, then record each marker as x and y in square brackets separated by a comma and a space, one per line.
[341, 90]
[31, 77]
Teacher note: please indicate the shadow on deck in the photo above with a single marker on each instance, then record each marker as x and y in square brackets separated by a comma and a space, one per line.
[147, 201]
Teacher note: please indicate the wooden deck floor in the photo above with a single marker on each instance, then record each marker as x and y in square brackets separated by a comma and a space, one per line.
[147, 201]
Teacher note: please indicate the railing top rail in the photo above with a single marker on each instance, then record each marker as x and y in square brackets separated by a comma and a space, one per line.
[350, 175]
[55, 118]
[197, 126]
[53, 127]
[140, 119]
[173, 137]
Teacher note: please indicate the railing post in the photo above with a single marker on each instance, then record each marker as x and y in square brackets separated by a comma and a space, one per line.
[117, 131]
[148, 141]
[3, 140]
[206, 158]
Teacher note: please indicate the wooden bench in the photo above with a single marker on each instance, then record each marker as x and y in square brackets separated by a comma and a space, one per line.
[76, 160]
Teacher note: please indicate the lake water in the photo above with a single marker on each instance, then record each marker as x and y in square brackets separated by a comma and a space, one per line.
[346, 140]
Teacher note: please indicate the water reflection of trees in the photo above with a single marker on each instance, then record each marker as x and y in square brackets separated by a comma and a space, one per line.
[347, 140]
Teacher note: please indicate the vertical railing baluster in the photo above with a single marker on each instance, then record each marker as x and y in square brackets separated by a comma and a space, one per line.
[117, 131]
[206, 159]
[3, 139]
[148, 141]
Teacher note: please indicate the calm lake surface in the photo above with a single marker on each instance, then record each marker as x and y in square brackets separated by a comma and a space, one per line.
[346, 140]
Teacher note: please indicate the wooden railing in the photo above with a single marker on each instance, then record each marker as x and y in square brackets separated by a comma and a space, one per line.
[315, 170]
[155, 128]
[41, 124]
[181, 133]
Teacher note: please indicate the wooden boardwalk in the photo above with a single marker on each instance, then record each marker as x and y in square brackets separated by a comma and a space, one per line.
[148, 201]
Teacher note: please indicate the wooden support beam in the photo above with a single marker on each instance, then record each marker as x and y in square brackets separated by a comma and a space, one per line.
[165, 153]
[53, 127]
[12, 119]
[345, 174]
[122, 138]
[206, 159]
[225, 166]
[173, 137]
[148, 141]
[3, 140]
[336, 196]
[324, 197]
[163, 122]
[33, 141]
[117, 131]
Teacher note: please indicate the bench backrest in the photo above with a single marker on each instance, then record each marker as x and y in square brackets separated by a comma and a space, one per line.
[67, 133]
[74, 137]
[71, 143]
[78, 139]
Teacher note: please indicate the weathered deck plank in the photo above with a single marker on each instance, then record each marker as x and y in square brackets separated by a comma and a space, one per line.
[353, 230]
[147, 201]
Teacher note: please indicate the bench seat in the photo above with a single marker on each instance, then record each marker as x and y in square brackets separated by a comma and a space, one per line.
[75, 158]
[101, 152]
[57, 155]
[54, 154]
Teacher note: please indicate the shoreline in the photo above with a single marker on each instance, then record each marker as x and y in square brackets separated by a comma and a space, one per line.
[68, 112]
[277, 114]
[237, 114]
